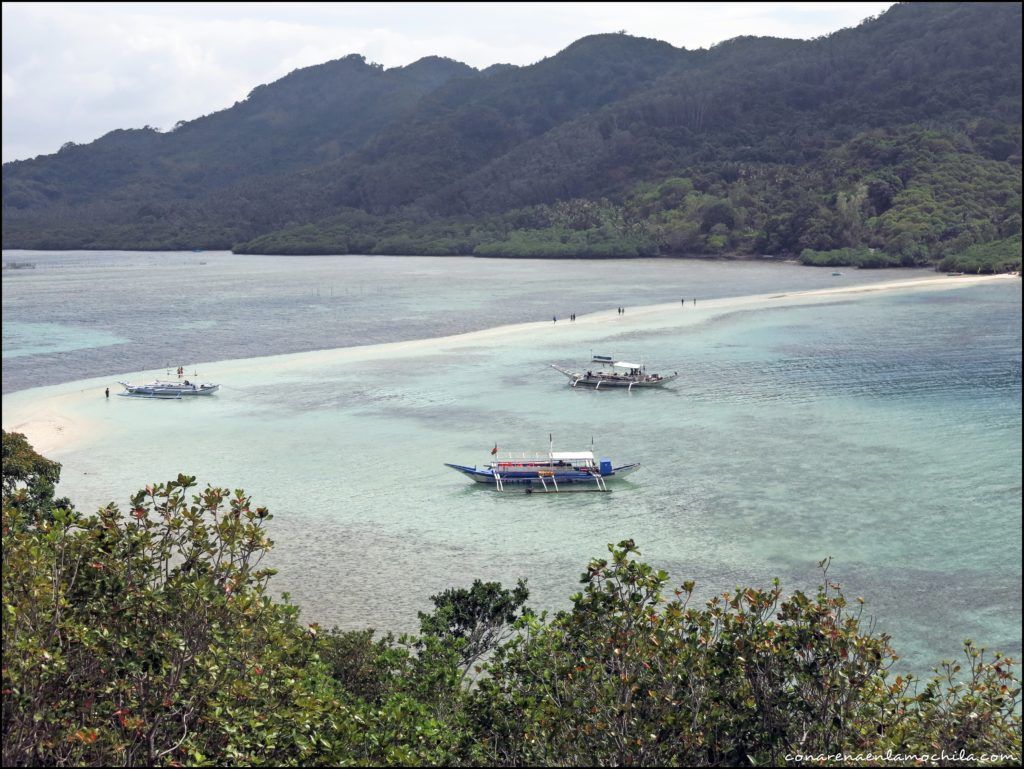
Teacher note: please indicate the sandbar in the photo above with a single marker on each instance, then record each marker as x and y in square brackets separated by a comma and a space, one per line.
[51, 418]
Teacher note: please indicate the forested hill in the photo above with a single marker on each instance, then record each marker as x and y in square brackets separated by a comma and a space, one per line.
[895, 142]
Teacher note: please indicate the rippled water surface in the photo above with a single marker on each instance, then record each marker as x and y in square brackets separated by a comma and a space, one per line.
[883, 430]
[90, 313]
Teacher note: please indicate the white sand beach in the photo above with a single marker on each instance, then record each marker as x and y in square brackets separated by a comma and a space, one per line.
[658, 315]
[52, 423]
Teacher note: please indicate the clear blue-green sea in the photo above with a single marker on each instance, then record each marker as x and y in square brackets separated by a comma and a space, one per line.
[881, 428]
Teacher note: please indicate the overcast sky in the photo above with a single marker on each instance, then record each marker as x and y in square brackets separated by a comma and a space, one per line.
[74, 71]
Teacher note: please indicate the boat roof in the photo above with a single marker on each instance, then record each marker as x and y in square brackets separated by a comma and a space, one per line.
[624, 364]
[572, 455]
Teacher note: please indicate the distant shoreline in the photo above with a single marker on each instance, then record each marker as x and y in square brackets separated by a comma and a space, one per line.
[667, 257]
[694, 257]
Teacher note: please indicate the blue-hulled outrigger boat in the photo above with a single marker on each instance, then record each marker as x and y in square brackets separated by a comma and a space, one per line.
[553, 471]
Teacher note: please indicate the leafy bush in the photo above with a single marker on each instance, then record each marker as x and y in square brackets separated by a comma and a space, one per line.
[148, 638]
[632, 676]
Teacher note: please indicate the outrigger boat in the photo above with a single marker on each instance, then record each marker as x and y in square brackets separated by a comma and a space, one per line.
[612, 373]
[159, 389]
[554, 471]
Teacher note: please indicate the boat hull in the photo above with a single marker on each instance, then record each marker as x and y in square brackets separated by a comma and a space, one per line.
[598, 381]
[158, 396]
[534, 478]
[169, 390]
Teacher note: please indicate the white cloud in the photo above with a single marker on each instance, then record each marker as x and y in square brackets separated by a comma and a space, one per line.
[74, 71]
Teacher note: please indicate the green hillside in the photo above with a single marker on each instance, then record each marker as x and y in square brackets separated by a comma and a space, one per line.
[895, 142]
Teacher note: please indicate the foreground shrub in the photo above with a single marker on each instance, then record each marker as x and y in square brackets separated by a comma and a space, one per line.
[631, 676]
[148, 638]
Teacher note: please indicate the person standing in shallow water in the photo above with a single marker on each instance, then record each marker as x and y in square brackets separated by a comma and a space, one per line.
[554, 319]
[107, 392]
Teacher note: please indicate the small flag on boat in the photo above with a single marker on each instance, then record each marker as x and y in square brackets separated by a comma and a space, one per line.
[495, 449]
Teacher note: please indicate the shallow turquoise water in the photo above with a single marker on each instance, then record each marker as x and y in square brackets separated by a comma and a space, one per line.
[37, 339]
[883, 430]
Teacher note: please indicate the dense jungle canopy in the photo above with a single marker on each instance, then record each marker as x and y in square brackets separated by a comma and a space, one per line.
[897, 142]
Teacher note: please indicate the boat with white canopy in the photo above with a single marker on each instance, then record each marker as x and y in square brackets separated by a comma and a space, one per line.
[161, 389]
[613, 373]
[551, 471]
